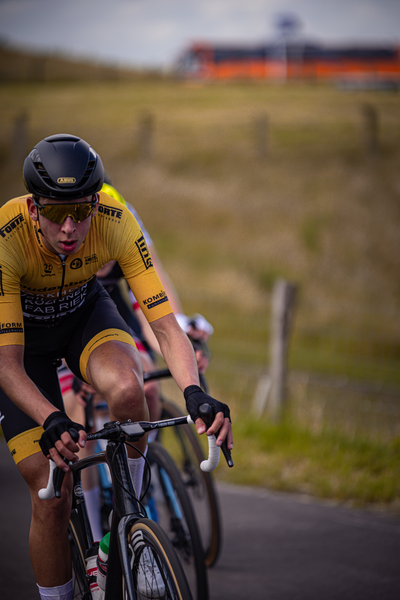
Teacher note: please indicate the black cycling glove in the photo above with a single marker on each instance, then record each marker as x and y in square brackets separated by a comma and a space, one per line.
[195, 396]
[54, 426]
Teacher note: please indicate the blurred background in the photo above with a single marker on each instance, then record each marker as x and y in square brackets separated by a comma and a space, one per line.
[259, 142]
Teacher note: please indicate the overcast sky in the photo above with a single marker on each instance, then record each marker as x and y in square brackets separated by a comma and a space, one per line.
[153, 32]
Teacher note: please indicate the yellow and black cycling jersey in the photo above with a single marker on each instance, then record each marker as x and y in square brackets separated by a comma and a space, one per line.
[40, 286]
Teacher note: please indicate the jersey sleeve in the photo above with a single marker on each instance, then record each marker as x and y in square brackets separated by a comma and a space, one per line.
[129, 247]
[146, 285]
[11, 317]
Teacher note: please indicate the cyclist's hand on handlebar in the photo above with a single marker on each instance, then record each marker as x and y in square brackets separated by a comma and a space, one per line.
[61, 439]
[221, 425]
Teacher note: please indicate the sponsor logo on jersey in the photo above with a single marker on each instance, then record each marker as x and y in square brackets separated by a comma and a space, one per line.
[156, 300]
[11, 225]
[144, 252]
[54, 288]
[66, 180]
[11, 328]
[91, 259]
[47, 306]
[48, 268]
[110, 211]
[76, 263]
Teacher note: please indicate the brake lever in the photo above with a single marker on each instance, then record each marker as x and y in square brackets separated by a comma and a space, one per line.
[56, 475]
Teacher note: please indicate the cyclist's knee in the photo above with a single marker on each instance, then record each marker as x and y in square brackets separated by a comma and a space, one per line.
[115, 371]
[124, 387]
[124, 395]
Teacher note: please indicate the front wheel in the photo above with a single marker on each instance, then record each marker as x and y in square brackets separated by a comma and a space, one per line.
[156, 570]
[168, 504]
[81, 590]
[183, 445]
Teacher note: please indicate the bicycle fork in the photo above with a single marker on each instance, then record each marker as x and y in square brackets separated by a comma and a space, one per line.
[127, 511]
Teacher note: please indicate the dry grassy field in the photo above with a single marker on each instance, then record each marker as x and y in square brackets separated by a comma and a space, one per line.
[232, 205]
[240, 184]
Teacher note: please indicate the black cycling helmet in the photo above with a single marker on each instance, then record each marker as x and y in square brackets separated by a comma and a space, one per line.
[63, 167]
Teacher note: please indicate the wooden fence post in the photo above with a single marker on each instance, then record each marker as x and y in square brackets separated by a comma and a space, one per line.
[371, 129]
[271, 390]
[261, 136]
[283, 299]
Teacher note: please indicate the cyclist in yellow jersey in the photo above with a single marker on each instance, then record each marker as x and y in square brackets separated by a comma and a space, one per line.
[196, 327]
[52, 243]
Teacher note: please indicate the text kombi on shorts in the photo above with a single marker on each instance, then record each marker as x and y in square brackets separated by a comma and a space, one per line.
[73, 338]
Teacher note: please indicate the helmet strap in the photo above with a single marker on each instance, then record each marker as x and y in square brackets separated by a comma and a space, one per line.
[39, 230]
[36, 199]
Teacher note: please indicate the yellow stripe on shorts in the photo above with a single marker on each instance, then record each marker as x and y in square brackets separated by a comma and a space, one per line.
[108, 335]
[25, 444]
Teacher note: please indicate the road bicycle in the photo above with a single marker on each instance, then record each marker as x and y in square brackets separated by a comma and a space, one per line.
[142, 562]
[166, 501]
[183, 445]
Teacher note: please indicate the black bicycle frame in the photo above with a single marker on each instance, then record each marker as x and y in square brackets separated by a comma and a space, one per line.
[127, 508]
[127, 511]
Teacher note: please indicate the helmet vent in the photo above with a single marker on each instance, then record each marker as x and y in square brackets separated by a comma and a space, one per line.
[43, 173]
[47, 179]
[88, 173]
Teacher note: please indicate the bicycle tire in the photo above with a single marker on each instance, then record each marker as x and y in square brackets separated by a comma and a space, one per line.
[81, 589]
[174, 513]
[145, 534]
[188, 454]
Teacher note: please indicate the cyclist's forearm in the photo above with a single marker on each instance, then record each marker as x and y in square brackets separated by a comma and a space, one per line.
[19, 387]
[147, 331]
[177, 351]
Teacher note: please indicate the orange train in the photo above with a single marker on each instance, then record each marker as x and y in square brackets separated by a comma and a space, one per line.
[290, 61]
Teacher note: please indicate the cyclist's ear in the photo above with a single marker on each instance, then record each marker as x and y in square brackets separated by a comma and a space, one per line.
[31, 208]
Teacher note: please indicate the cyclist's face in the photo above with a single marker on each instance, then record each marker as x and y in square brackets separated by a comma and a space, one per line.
[67, 237]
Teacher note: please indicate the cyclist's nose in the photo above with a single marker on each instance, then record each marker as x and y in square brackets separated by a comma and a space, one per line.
[68, 225]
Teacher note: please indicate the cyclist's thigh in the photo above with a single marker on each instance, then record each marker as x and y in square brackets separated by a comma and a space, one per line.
[99, 324]
[20, 431]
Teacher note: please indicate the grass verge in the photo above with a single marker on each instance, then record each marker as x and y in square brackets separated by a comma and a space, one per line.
[329, 465]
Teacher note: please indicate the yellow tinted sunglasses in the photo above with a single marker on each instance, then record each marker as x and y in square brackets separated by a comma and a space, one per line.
[57, 213]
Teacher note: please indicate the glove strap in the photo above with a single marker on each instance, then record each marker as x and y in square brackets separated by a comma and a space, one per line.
[189, 390]
[53, 415]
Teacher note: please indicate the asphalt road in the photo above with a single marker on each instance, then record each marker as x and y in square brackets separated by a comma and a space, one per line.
[276, 547]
